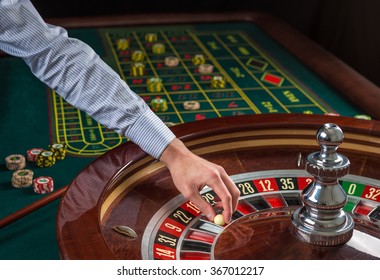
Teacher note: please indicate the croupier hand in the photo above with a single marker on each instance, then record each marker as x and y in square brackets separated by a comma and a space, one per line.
[190, 173]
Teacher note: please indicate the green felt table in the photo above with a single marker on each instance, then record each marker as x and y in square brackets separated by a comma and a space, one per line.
[263, 75]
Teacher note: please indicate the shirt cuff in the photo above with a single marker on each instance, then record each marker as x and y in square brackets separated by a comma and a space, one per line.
[150, 134]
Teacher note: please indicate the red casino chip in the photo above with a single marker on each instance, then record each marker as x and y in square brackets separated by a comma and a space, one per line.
[33, 153]
[43, 185]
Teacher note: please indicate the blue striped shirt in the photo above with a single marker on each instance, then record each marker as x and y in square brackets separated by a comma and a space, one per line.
[72, 68]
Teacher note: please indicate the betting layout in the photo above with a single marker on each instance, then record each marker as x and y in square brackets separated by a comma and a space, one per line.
[243, 80]
[187, 75]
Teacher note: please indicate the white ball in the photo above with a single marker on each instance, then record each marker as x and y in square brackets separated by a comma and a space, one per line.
[219, 220]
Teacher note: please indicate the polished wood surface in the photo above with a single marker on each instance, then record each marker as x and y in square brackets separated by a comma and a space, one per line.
[127, 187]
[350, 83]
[270, 237]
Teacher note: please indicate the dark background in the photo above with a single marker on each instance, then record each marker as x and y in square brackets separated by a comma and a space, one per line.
[350, 29]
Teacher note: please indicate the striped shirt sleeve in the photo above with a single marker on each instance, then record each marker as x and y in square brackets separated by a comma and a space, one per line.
[72, 68]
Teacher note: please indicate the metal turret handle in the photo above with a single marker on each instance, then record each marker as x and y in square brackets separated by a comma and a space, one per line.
[321, 220]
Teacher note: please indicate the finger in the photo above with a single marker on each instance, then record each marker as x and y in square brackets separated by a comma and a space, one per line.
[233, 189]
[229, 194]
[204, 206]
[226, 199]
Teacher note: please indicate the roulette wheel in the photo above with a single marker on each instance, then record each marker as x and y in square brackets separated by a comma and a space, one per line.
[304, 195]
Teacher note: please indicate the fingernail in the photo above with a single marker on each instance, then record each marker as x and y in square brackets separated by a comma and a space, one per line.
[209, 217]
[227, 221]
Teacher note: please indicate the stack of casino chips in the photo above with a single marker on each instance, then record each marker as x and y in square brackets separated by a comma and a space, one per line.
[154, 84]
[205, 69]
[45, 159]
[363, 117]
[137, 56]
[15, 162]
[218, 82]
[198, 59]
[158, 48]
[122, 44]
[22, 178]
[32, 154]
[59, 150]
[191, 105]
[137, 69]
[151, 37]
[43, 185]
[169, 124]
[159, 104]
[171, 61]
